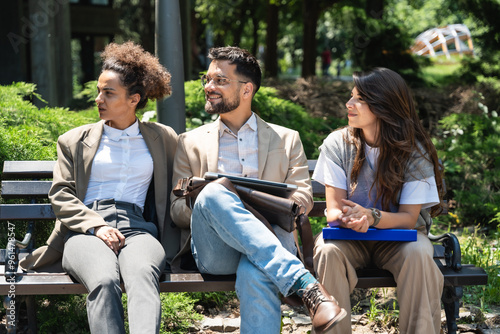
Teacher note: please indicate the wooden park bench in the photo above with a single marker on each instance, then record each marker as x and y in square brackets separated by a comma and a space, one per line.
[30, 180]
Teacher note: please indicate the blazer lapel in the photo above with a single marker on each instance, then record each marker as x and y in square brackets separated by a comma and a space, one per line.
[264, 136]
[89, 146]
[150, 137]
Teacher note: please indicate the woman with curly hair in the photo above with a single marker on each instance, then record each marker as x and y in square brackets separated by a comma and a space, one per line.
[382, 171]
[110, 195]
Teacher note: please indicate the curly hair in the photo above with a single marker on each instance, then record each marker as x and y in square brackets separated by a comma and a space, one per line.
[140, 72]
[400, 134]
[246, 64]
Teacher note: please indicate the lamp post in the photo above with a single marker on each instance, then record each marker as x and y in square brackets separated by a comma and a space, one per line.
[171, 111]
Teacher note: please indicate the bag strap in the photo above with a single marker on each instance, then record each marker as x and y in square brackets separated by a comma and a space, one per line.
[305, 233]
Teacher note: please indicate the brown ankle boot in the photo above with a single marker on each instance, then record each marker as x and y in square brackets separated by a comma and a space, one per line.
[323, 308]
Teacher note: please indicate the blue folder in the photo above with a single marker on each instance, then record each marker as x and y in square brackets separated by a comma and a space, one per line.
[339, 233]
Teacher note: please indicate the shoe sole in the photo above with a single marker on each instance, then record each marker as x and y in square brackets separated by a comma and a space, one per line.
[341, 315]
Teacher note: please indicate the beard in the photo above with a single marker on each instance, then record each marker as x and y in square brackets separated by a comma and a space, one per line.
[223, 106]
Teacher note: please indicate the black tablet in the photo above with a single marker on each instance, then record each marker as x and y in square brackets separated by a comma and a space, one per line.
[280, 189]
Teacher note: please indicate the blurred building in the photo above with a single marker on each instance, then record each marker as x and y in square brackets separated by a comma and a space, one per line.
[53, 43]
[451, 39]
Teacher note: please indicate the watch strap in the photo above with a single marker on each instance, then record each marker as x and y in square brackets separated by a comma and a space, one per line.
[376, 214]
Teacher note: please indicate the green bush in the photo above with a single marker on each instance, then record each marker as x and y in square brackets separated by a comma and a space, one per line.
[177, 312]
[30, 133]
[469, 151]
[62, 314]
[482, 251]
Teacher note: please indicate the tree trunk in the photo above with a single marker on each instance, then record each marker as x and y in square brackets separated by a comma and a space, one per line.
[185, 9]
[255, 35]
[147, 34]
[271, 52]
[311, 14]
[375, 9]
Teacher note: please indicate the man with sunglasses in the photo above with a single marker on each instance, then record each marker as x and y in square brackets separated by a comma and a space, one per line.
[225, 237]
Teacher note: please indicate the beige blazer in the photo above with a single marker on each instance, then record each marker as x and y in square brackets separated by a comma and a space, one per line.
[75, 151]
[281, 159]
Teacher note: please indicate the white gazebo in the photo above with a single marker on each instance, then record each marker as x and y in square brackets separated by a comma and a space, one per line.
[453, 38]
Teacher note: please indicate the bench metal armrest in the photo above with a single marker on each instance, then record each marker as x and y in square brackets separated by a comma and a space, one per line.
[452, 252]
[12, 253]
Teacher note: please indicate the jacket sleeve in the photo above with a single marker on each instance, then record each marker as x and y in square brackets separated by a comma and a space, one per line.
[180, 212]
[298, 174]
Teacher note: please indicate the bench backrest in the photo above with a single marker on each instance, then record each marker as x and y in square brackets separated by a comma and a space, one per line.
[31, 180]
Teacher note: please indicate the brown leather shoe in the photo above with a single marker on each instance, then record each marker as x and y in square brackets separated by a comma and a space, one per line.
[323, 308]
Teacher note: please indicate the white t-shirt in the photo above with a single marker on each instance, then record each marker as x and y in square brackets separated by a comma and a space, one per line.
[423, 191]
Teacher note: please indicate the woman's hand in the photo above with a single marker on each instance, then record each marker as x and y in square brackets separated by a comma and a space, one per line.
[111, 237]
[354, 216]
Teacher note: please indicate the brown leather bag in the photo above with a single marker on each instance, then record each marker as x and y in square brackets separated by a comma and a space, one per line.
[277, 210]
[266, 207]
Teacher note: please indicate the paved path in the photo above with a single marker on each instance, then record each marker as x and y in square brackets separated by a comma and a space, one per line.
[296, 321]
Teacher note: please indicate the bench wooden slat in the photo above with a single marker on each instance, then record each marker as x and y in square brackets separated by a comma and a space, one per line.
[318, 209]
[44, 283]
[25, 189]
[468, 275]
[318, 189]
[312, 165]
[28, 169]
[61, 284]
[379, 278]
[26, 212]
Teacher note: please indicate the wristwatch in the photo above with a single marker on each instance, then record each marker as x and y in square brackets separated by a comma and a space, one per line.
[376, 214]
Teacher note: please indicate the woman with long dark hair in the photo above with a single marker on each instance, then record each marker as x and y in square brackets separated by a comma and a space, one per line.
[382, 171]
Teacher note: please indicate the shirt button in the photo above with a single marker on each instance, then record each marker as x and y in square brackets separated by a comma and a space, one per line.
[242, 159]
[241, 139]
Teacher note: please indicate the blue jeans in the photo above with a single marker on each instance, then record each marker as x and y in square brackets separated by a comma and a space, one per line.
[228, 239]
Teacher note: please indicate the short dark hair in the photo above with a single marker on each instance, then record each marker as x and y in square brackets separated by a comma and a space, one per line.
[246, 64]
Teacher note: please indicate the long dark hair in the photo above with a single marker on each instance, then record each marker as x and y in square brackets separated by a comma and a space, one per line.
[400, 134]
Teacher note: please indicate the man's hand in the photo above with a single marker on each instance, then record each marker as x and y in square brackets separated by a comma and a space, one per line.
[111, 237]
[354, 216]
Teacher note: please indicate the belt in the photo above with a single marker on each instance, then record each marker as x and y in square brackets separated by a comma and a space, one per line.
[103, 203]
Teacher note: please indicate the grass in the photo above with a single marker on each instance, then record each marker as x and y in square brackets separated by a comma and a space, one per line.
[483, 251]
[442, 71]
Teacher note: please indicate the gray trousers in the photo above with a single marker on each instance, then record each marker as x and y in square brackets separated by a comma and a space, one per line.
[139, 264]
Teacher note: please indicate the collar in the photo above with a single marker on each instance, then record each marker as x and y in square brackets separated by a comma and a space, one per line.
[116, 134]
[251, 123]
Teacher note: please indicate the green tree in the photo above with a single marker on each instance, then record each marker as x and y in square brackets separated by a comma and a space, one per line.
[485, 14]
[312, 11]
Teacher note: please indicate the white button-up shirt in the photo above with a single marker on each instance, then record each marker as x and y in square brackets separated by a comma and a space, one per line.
[238, 152]
[122, 168]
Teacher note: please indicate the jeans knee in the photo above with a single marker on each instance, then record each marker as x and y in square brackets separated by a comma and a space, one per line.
[211, 195]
